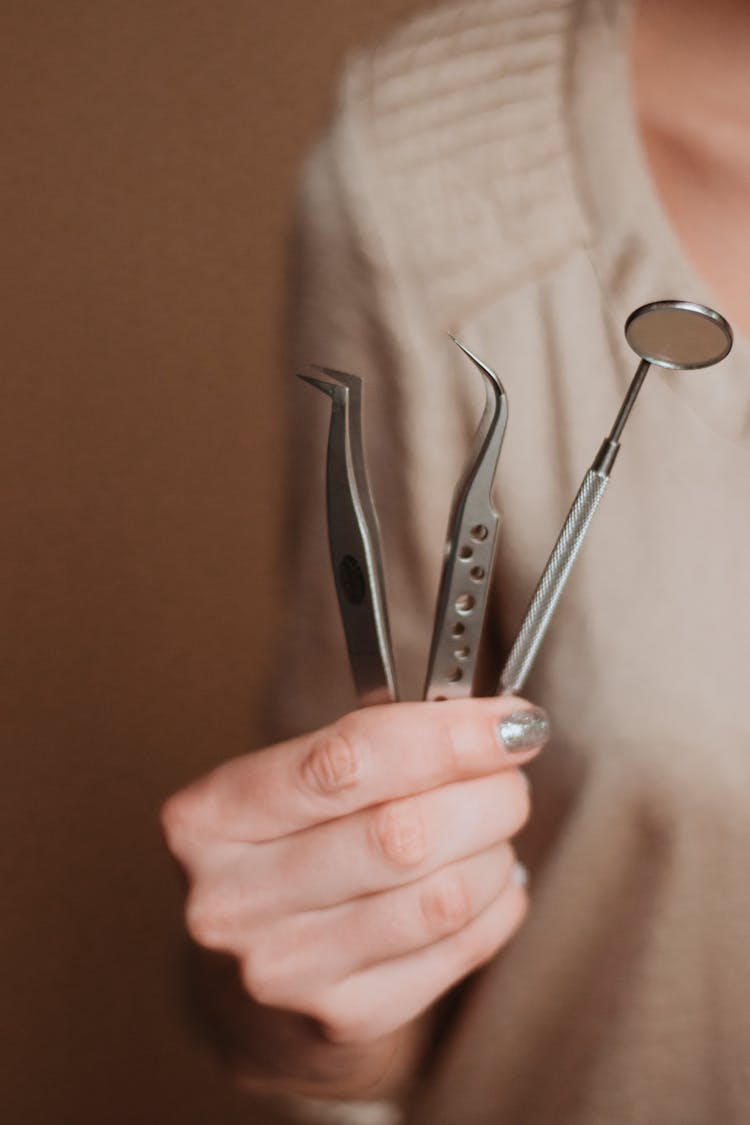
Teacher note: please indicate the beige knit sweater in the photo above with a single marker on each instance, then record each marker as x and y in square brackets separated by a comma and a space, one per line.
[484, 176]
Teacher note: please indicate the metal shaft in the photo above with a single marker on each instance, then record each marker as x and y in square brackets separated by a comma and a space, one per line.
[630, 397]
[569, 542]
[547, 594]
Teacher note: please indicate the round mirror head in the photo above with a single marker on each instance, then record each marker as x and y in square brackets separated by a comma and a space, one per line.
[678, 334]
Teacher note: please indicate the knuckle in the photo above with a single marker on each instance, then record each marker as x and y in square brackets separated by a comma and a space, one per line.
[176, 822]
[272, 970]
[211, 917]
[340, 1027]
[209, 921]
[259, 976]
[446, 903]
[251, 974]
[351, 1033]
[335, 761]
[184, 820]
[399, 833]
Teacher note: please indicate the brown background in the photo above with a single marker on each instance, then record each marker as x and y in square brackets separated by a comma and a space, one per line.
[148, 157]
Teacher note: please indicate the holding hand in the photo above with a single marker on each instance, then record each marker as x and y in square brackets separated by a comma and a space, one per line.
[358, 872]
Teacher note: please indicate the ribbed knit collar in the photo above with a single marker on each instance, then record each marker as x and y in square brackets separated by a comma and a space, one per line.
[633, 246]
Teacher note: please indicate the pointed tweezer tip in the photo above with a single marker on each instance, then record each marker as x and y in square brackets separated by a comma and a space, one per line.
[321, 384]
[351, 381]
[478, 363]
[464, 349]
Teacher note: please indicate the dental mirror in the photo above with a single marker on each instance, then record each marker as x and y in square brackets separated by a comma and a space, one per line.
[678, 335]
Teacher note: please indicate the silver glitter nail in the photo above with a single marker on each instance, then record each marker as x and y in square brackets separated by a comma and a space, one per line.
[523, 730]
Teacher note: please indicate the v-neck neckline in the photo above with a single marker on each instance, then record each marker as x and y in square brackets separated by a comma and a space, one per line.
[633, 246]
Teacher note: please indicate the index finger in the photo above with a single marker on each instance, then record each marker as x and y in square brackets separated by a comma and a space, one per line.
[367, 757]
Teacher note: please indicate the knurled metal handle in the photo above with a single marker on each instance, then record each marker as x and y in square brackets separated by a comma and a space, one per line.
[552, 582]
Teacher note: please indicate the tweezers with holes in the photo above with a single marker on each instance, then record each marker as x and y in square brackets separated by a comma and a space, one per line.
[356, 557]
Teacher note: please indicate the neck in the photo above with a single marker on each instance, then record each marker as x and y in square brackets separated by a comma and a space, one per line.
[692, 101]
[690, 61]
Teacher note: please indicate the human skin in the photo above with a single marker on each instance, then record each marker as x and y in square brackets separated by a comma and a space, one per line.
[355, 874]
[691, 92]
[329, 1007]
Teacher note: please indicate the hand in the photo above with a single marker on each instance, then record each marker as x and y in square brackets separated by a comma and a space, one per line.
[358, 872]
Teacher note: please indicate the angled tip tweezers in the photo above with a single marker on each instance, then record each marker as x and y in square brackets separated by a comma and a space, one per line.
[354, 542]
[356, 556]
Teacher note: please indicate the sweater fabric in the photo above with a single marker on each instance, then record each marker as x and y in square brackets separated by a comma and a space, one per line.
[483, 175]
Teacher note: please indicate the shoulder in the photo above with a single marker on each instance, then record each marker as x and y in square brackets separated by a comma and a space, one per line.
[452, 135]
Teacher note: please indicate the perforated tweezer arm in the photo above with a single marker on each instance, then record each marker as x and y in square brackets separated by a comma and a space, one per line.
[355, 547]
[469, 553]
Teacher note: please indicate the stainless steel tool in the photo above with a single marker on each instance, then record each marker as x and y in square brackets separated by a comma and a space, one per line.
[355, 547]
[469, 552]
[678, 335]
[354, 542]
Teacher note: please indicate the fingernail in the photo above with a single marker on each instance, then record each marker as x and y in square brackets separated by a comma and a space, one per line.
[522, 730]
[520, 875]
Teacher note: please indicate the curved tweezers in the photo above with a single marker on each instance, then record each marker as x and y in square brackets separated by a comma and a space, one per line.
[354, 542]
[469, 552]
[355, 546]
